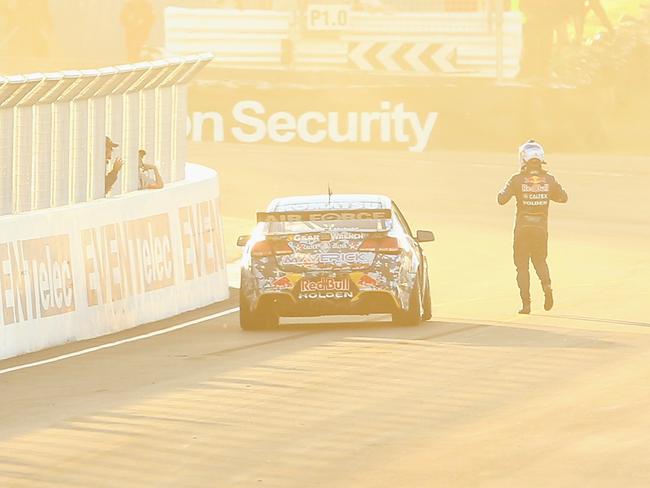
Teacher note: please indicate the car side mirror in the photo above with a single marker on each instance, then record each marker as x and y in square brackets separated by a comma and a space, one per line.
[425, 236]
[243, 240]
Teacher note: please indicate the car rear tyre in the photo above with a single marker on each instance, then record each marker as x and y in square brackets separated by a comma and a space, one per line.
[426, 305]
[254, 319]
[412, 316]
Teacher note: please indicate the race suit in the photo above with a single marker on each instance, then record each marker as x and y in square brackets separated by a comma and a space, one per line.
[533, 189]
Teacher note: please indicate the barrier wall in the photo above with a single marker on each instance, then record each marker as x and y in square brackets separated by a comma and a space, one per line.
[86, 270]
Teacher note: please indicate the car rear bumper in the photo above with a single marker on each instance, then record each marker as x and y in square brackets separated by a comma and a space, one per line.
[381, 288]
[365, 302]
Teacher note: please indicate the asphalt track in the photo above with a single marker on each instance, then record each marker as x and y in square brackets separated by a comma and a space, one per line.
[479, 396]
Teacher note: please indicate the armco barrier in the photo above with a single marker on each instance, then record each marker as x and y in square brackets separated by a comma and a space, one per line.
[86, 270]
[53, 125]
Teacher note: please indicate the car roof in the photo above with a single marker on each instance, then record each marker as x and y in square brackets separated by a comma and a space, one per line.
[325, 202]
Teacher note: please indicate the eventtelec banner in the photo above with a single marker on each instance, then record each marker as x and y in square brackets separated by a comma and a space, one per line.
[81, 271]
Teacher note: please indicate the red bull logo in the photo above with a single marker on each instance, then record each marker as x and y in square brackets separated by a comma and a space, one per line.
[534, 179]
[325, 284]
[536, 188]
[325, 289]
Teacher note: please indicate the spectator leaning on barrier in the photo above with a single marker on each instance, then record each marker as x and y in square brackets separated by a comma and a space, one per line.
[137, 19]
[111, 175]
[150, 178]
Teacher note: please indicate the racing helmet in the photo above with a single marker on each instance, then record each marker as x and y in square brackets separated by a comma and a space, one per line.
[530, 150]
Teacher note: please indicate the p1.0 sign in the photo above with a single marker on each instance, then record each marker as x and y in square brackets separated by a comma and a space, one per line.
[328, 17]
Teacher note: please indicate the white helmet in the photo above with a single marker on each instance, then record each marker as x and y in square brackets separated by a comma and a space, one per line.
[530, 150]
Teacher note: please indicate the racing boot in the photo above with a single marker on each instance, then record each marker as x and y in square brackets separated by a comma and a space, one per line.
[524, 294]
[548, 298]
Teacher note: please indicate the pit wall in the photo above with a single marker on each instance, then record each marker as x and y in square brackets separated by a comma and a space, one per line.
[82, 271]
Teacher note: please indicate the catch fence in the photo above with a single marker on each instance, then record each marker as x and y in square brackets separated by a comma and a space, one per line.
[53, 128]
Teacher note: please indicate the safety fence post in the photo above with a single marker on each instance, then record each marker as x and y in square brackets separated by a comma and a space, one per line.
[195, 64]
[43, 139]
[133, 125]
[62, 168]
[23, 143]
[116, 119]
[81, 175]
[8, 87]
[165, 121]
[99, 130]
[150, 111]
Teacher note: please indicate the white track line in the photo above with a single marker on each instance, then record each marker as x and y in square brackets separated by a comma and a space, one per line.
[120, 342]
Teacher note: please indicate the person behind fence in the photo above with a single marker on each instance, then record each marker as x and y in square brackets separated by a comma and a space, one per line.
[114, 165]
[534, 188]
[150, 178]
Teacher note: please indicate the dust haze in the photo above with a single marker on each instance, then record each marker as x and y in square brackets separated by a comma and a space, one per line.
[141, 141]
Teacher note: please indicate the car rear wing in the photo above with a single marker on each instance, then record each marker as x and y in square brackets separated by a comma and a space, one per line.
[324, 215]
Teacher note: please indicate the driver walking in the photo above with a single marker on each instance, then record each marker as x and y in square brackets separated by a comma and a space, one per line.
[534, 188]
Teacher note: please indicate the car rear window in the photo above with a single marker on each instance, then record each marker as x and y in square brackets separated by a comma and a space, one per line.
[364, 225]
[332, 225]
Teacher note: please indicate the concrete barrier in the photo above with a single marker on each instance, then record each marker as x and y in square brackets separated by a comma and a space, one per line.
[82, 271]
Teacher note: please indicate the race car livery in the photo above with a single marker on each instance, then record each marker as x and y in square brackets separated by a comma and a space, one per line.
[333, 255]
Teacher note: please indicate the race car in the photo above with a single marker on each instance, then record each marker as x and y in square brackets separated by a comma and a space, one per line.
[333, 255]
